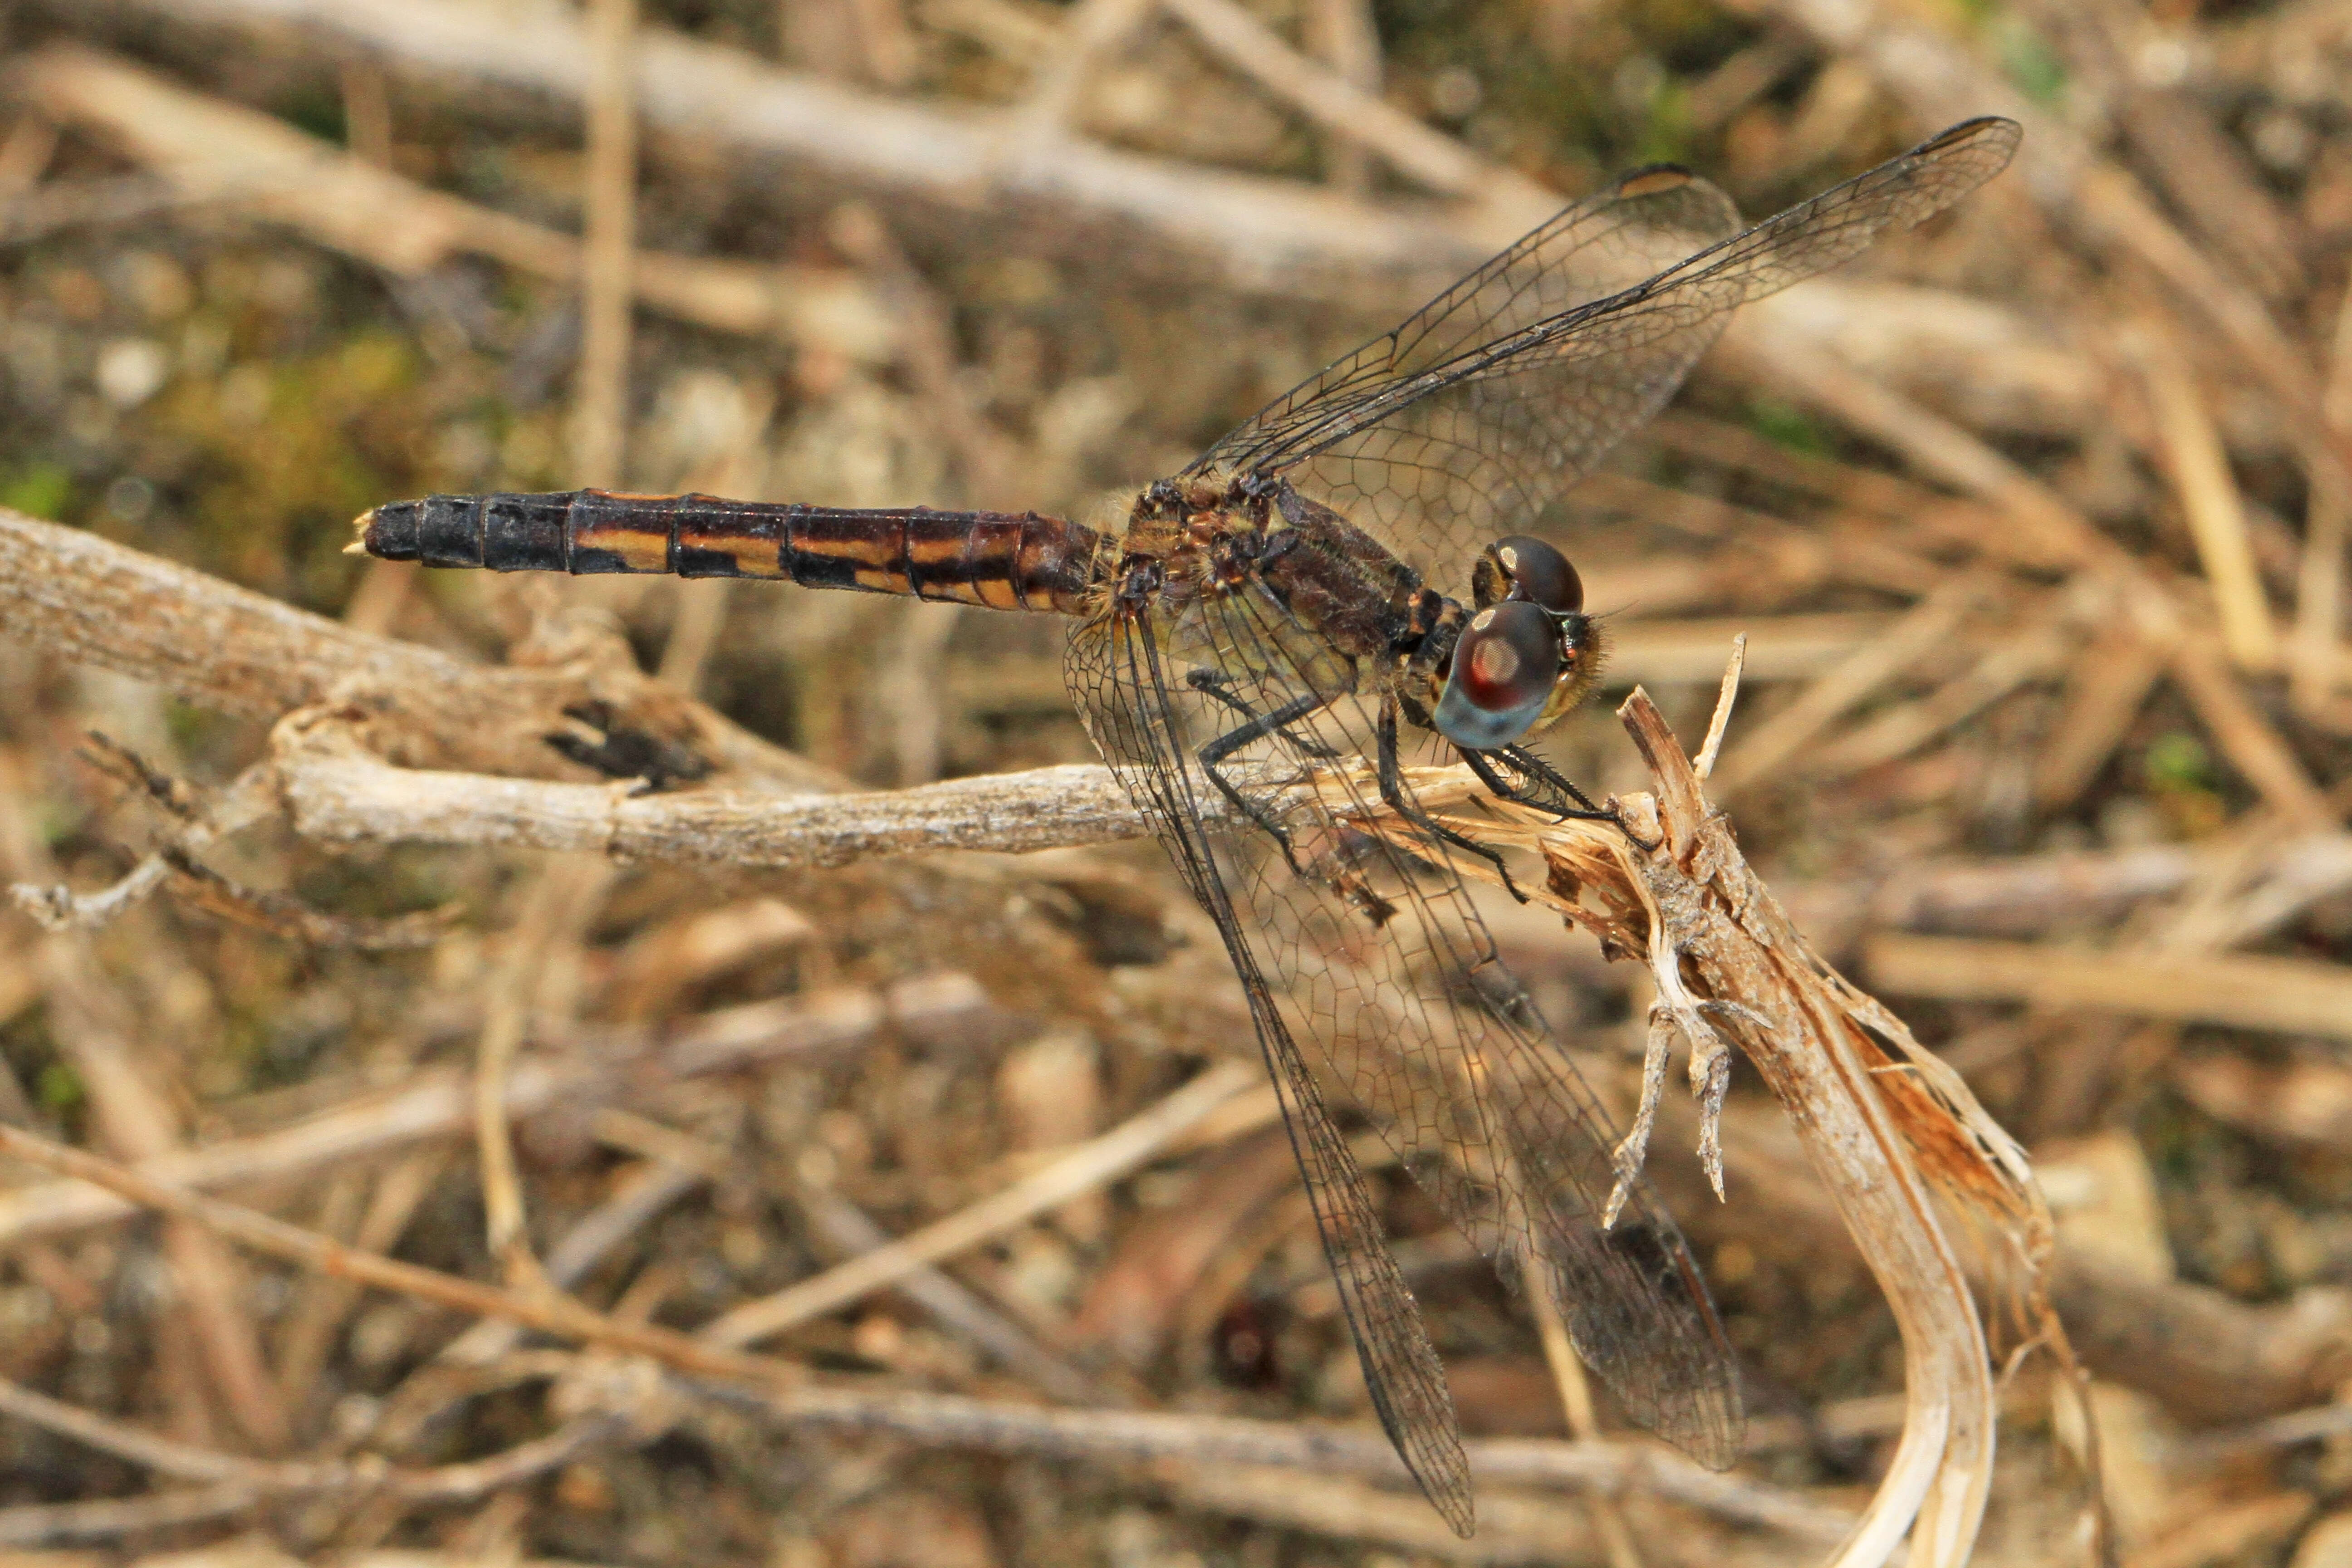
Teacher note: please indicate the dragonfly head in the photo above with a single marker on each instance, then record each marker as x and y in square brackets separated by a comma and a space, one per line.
[1528, 652]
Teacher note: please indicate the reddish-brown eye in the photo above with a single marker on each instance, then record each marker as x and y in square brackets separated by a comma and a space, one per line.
[1503, 671]
[1523, 567]
[1540, 573]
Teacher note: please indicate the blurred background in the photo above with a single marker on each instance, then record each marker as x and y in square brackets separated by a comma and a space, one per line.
[2036, 518]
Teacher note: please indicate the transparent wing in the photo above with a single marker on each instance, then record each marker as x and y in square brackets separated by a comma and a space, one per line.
[1373, 959]
[1464, 422]
[1114, 668]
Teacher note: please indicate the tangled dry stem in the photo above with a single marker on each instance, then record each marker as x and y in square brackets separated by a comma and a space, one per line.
[1890, 1128]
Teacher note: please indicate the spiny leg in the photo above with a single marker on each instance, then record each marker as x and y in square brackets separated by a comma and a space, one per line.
[1502, 788]
[1393, 794]
[1218, 684]
[1256, 729]
[1543, 772]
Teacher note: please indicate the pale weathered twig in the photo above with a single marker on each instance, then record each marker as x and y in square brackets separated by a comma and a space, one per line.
[1082, 1170]
[95, 1032]
[338, 792]
[338, 795]
[1618, 1468]
[1727, 697]
[780, 1389]
[440, 1107]
[82, 598]
[292, 1243]
[2291, 995]
[558, 909]
[49, 1524]
[1891, 1131]
[262, 1476]
[207, 150]
[1436, 161]
[1262, 234]
[197, 821]
[2199, 468]
[600, 396]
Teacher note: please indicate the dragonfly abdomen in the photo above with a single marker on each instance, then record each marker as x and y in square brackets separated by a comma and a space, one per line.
[1004, 560]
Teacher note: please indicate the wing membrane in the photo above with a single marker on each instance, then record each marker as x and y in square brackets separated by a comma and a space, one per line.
[1364, 956]
[1495, 397]
[1374, 959]
[1115, 670]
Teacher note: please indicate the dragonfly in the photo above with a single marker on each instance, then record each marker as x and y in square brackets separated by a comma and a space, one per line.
[1349, 574]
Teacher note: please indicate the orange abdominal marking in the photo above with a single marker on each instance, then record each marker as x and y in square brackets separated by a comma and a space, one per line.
[643, 548]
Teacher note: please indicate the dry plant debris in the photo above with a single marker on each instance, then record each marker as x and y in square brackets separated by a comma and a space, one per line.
[351, 927]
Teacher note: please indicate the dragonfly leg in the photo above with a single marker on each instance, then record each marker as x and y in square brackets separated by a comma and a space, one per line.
[1393, 794]
[1257, 727]
[1542, 772]
[1215, 684]
[1545, 774]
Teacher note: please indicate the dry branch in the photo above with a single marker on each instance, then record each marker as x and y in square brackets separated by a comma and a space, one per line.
[255, 1478]
[1083, 1169]
[1436, 161]
[1940, 78]
[1258, 235]
[1617, 1468]
[1892, 1130]
[292, 1243]
[215, 150]
[2202, 1355]
[2040, 521]
[600, 393]
[440, 1107]
[2280, 995]
[1261, 234]
[78, 597]
[782, 1390]
[103, 1519]
[338, 795]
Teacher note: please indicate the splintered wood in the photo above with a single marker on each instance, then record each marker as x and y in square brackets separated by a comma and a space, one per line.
[1892, 1130]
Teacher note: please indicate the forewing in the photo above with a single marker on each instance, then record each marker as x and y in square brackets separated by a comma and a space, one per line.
[1114, 668]
[1466, 421]
[1374, 959]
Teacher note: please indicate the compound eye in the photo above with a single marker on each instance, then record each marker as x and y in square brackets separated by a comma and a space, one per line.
[1540, 573]
[1504, 668]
